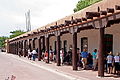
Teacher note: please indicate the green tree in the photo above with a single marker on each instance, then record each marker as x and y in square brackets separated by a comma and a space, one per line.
[84, 3]
[2, 41]
[16, 33]
[13, 34]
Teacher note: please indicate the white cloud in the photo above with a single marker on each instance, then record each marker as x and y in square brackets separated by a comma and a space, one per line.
[12, 13]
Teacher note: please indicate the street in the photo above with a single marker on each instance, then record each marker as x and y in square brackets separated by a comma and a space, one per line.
[23, 71]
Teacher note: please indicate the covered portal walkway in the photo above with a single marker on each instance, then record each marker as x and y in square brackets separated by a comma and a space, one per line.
[40, 38]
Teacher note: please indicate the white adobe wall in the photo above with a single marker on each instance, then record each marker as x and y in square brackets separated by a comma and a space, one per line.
[51, 41]
[115, 30]
[93, 38]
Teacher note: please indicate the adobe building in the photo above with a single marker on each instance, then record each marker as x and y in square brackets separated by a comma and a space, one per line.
[95, 27]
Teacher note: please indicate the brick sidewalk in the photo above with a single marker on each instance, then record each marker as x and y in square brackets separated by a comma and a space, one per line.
[82, 74]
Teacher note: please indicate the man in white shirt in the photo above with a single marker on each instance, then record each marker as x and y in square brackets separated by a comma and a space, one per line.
[34, 54]
[109, 62]
[117, 61]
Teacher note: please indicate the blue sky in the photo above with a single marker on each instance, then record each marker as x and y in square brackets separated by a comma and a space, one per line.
[12, 13]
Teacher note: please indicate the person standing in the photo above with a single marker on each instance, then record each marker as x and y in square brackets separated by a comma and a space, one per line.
[84, 55]
[51, 55]
[34, 53]
[19, 52]
[61, 55]
[94, 56]
[109, 62]
[29, 54]
[117, 61]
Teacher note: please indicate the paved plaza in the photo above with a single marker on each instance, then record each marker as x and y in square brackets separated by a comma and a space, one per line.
[24, 69]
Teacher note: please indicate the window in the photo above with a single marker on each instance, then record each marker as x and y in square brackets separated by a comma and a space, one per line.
[84, 43]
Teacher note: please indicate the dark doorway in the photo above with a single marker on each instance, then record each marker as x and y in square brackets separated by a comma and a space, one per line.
[84, 43]
[65, 46]
[108, 43]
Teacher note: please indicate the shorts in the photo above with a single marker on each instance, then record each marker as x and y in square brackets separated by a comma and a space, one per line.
[109, 64]
[117, 66]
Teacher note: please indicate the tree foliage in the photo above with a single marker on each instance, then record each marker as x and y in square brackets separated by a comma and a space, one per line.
[84, 3]
[16, 33]
[2, 41]
[13, 34]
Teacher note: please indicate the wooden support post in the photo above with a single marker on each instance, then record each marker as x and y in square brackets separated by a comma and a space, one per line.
[101, 53]
[24, 52]
[22, 47]
[15, 48]
[43, 43]
[39, 49]
[29, 46]
[9, 48]
[58, 50]
[74, 56]
[47, 47]
[33, 44]
[12, 48]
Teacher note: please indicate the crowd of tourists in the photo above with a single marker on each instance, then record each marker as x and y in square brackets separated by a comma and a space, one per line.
[85, 60]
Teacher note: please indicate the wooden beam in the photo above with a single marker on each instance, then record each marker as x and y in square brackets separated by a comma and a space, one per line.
[78, 20]
[103, 12]
[84, 19]
[90, 15]
[67, 22]
[117, 7]
[110, 10]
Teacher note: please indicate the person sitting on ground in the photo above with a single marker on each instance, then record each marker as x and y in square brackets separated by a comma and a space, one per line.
[110, 62]
[84, 55]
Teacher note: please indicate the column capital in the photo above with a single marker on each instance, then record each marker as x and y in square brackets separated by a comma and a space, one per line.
[46, 35]
[39, 37]
[73, 30]
[57, 33]
[33, 39]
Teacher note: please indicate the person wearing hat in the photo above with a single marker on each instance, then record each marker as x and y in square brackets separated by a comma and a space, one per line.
[109, 62]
